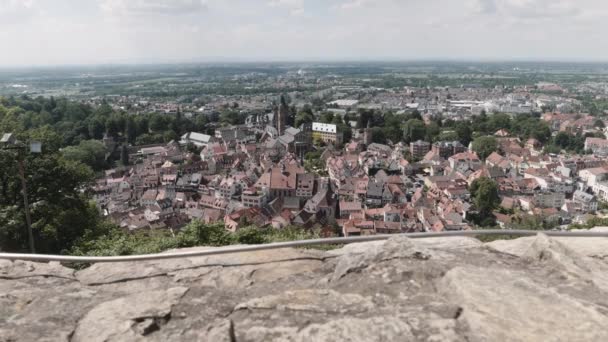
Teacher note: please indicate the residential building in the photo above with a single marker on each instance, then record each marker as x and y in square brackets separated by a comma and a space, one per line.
[446, 149]
[328, 133]
[419, 149]
[197, 139]
[588, 202]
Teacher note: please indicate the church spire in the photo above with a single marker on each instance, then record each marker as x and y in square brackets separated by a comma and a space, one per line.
[283, 112]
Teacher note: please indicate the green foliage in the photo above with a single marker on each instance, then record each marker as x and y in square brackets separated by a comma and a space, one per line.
[131, 130]
[114, 241]
[149, 139]
[124, 155]
[532, 222]
[484, 146]
[591, 223]
[60, 212]
[304, 116]
[378, 135]
[314, 163]
[414, 130]
[59, 123]
[392, 127]
[594, 106]
[432, 132]
[448, 136]
[562, 139]
[88, 152]
[599, 124]
[524, 126]
[327, 117]
[250, 236]
[566, 141]
[231, 117]
[484, 193]
[464, 132]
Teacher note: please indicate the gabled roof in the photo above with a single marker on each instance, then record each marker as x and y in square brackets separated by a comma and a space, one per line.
[196, 137]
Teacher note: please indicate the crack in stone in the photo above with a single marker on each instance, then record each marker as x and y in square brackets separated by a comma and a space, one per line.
[38, 276]
[167, 273]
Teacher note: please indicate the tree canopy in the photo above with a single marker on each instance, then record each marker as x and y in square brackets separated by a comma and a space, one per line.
[484, 146]
[484, 193]
[88, 152]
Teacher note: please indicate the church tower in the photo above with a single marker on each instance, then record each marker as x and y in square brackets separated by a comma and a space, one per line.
[367, 133]
[282, 114]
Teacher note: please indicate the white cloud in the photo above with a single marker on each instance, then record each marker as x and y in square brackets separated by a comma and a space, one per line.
[101, 31]
[388, 5]
[295, 7]
[529, 8]
[352, 4]
[15, 10]
[139, 7]
[286, 3]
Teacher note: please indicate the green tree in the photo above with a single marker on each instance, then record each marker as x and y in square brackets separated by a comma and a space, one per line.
[113, 127]
[327, 117]
[599, 123]
[60, 212]
[88, 152]
[464, 132]
[500, 121]
[414, 130]
[198, 233]
[96, 128]
[157, 123]
[484, 146]
[432, 131]
[304, 116]
[447, 136]
[251, 236]
[124, 155]
[104, 110]
[337, 120]
[562, 139]
[378, 135]
[142, 125]
[50, 139]
[229, 117]
[541, 132]
[314, 163]
[484, 192]
[131, 130]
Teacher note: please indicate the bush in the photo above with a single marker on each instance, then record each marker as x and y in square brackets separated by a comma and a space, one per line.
[118, 242]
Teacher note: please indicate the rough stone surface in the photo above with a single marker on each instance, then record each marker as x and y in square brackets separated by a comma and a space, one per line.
[441, 289]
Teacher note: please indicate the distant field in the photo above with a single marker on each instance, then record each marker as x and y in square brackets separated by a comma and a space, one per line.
[253, 78]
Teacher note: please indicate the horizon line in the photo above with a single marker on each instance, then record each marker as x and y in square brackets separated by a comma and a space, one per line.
[235, 61]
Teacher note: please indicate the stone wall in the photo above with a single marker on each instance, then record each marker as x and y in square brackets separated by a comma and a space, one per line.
[439, 289]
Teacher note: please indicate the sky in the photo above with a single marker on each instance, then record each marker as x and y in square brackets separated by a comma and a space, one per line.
[84, 32]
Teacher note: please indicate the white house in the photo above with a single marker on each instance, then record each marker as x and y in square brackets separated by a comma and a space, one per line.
[198, 139]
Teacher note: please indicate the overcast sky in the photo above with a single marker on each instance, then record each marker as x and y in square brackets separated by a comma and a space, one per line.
[59, 32]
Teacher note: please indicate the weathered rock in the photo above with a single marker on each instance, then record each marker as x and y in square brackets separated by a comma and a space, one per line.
[591, 247]
[320, 301]
[509, 305]
[128, 318]
[27, 269]
[439, 289]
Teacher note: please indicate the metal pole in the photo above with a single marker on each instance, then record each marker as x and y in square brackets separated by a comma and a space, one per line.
[26, 205]
[291, 244]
